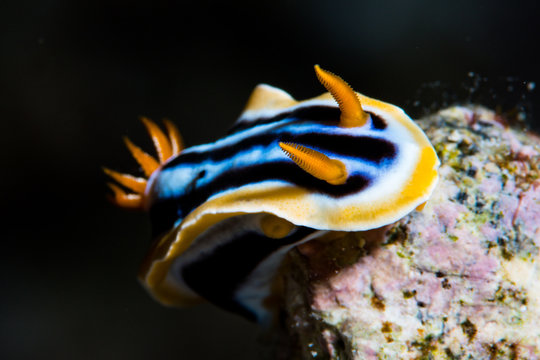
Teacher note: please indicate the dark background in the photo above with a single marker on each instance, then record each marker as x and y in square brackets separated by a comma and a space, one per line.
[76, 75]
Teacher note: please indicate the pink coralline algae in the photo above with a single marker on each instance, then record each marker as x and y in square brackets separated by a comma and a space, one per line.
[458, 280]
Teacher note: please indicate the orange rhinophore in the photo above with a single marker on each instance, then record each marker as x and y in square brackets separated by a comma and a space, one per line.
[352, 113]
[316, 163]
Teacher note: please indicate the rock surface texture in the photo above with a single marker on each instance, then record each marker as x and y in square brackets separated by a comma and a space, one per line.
[458, 280]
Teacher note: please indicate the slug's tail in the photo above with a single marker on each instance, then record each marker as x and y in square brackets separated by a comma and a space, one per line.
[166, 146]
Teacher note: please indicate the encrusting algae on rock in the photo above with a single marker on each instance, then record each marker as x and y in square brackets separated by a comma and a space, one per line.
[458, 280]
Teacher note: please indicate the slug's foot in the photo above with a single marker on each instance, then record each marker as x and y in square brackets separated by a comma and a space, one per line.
[166, 146]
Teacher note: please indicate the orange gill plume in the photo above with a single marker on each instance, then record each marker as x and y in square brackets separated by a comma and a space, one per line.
[166, 147]
[352, 114]
[316, 163]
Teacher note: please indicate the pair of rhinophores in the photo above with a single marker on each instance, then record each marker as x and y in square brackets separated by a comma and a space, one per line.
[225, 214]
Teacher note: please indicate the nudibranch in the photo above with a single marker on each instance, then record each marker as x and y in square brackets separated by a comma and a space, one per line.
[225, 214]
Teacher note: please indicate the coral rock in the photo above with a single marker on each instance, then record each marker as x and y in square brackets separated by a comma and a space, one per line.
[458, 279]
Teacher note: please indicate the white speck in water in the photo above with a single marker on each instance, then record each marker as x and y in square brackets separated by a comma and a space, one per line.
[471, 73]
[531, 85]
[314, 354]
[310, 345]
[523, 308]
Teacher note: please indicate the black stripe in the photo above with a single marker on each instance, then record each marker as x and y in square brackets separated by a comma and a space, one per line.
[216, 276]
[278, 170]
[164, 212]
[317, 113]
[377, 122]
[364, 147]
[313, 113]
